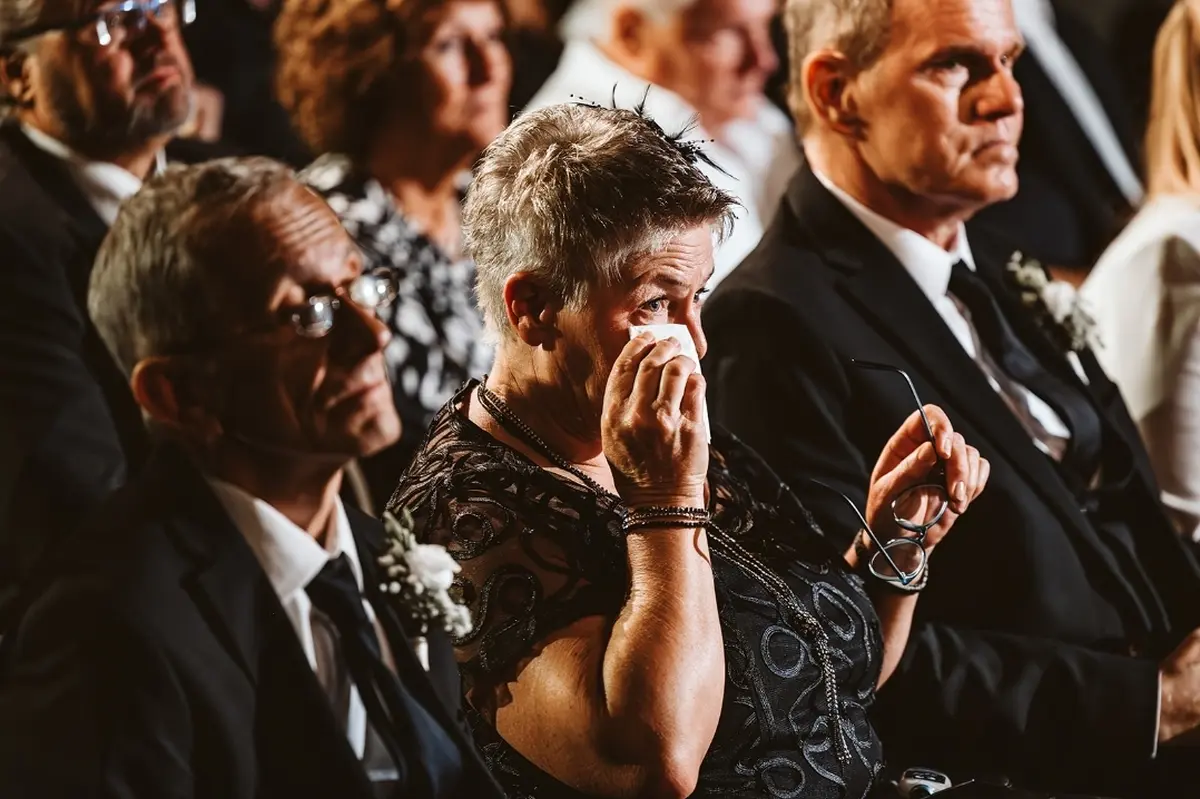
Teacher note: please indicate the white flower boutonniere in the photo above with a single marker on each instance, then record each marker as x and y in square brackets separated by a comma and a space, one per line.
[420, 576]
[1056, 305]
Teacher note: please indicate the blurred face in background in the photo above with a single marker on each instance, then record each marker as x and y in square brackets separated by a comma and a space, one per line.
[105, 98]
[458, 74]
[716, 54]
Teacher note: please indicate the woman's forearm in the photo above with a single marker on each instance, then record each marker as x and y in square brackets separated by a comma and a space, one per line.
[663, 670]
[895, 611]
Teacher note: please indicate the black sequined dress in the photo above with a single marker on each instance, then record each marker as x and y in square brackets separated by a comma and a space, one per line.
[539, 552]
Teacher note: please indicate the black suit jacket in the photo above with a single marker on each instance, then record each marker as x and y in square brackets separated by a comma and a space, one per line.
[159, 663]
[1068, 208]
[69, 427]
[1032, 653]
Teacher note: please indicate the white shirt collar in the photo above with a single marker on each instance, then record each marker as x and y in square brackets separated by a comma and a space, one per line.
[290, 556]
[105, 185]
[929, 264]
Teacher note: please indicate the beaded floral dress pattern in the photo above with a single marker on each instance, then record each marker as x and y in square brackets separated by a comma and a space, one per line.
[539, 552]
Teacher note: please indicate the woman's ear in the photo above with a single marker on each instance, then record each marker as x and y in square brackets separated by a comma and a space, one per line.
[167, 391]
[830, 92]
[532, 310]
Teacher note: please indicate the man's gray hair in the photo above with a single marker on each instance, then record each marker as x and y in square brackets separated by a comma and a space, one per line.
[18, 14]
[572, 194]
[161, 279]
[591, 20]
[856, 28]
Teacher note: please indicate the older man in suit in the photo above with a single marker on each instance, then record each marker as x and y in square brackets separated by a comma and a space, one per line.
[219, 629]
[1055, 640]
[93, 100]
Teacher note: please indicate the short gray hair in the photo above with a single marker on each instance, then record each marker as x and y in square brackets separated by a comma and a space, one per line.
[156, 288]
[591, 20]
[18, 14]
[14, 16]
[572, 194]
[856, 28]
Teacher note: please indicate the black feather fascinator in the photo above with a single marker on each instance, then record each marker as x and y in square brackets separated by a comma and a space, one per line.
[692, 150]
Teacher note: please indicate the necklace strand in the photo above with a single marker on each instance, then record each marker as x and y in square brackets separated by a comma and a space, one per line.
[499, 410]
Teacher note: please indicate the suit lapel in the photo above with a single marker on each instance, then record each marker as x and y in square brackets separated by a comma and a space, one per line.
[302, 750]
[890, 300]
[368, 537]
[86, 226]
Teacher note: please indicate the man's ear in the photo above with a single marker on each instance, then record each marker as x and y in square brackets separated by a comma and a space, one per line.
[532, 310]
[14, 71]
[169, 394]
[629, 32]
[829, 90]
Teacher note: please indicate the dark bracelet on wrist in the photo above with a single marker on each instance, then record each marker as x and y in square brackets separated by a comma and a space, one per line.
[664, 517]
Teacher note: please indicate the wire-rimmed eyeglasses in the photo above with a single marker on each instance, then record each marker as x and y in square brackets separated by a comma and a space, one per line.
[922, 506]
[372, 291]
[915, 510]
[113, 22]
[900, 560]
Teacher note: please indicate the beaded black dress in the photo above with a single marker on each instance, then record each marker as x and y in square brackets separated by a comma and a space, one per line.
[540, 551]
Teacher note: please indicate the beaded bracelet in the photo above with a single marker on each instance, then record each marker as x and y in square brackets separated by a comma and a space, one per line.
[665, 517]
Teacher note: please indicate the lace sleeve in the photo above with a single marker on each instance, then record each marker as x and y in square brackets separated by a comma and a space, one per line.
[537, 553]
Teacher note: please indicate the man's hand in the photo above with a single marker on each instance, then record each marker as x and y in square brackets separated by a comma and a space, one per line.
[1179, 716]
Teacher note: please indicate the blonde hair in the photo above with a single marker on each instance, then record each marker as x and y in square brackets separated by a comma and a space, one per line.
[1173, 136]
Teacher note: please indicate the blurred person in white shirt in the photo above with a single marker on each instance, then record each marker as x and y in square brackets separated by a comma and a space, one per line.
[701, 62]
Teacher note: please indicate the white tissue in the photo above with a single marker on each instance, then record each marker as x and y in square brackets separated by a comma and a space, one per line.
[688, 347]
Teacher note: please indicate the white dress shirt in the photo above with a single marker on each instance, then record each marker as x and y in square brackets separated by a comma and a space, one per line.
[930, 267]
[104, 185]
[291, 559]
[1036, 20]
[1144, 294]
[760, 154]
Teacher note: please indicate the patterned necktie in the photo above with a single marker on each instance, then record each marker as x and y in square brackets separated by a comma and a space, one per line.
[348, 651]
[1010, 364]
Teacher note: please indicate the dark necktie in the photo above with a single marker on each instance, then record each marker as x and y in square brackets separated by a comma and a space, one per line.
[396, 721]
[334, 592]
[1082, 455]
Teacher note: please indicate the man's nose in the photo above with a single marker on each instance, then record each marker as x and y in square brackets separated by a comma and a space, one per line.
[760, 52]
[1001, 97]
[359, 332]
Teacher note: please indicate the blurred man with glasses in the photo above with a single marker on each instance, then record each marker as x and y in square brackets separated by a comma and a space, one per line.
[92, 92]
[1056, 640]
[219, 630]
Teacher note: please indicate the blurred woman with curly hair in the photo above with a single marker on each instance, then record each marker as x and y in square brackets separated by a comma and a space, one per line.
[401, 96]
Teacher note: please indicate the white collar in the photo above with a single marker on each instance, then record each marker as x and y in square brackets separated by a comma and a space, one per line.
[105, 185]
[929, 264]
[290, 556]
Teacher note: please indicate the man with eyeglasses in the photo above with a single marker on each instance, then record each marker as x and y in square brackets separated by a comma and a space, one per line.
[220, 629]
[92, 93]
[1056, 640]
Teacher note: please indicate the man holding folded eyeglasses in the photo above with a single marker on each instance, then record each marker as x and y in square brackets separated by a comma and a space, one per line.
[93, 91]
[1055, 641]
